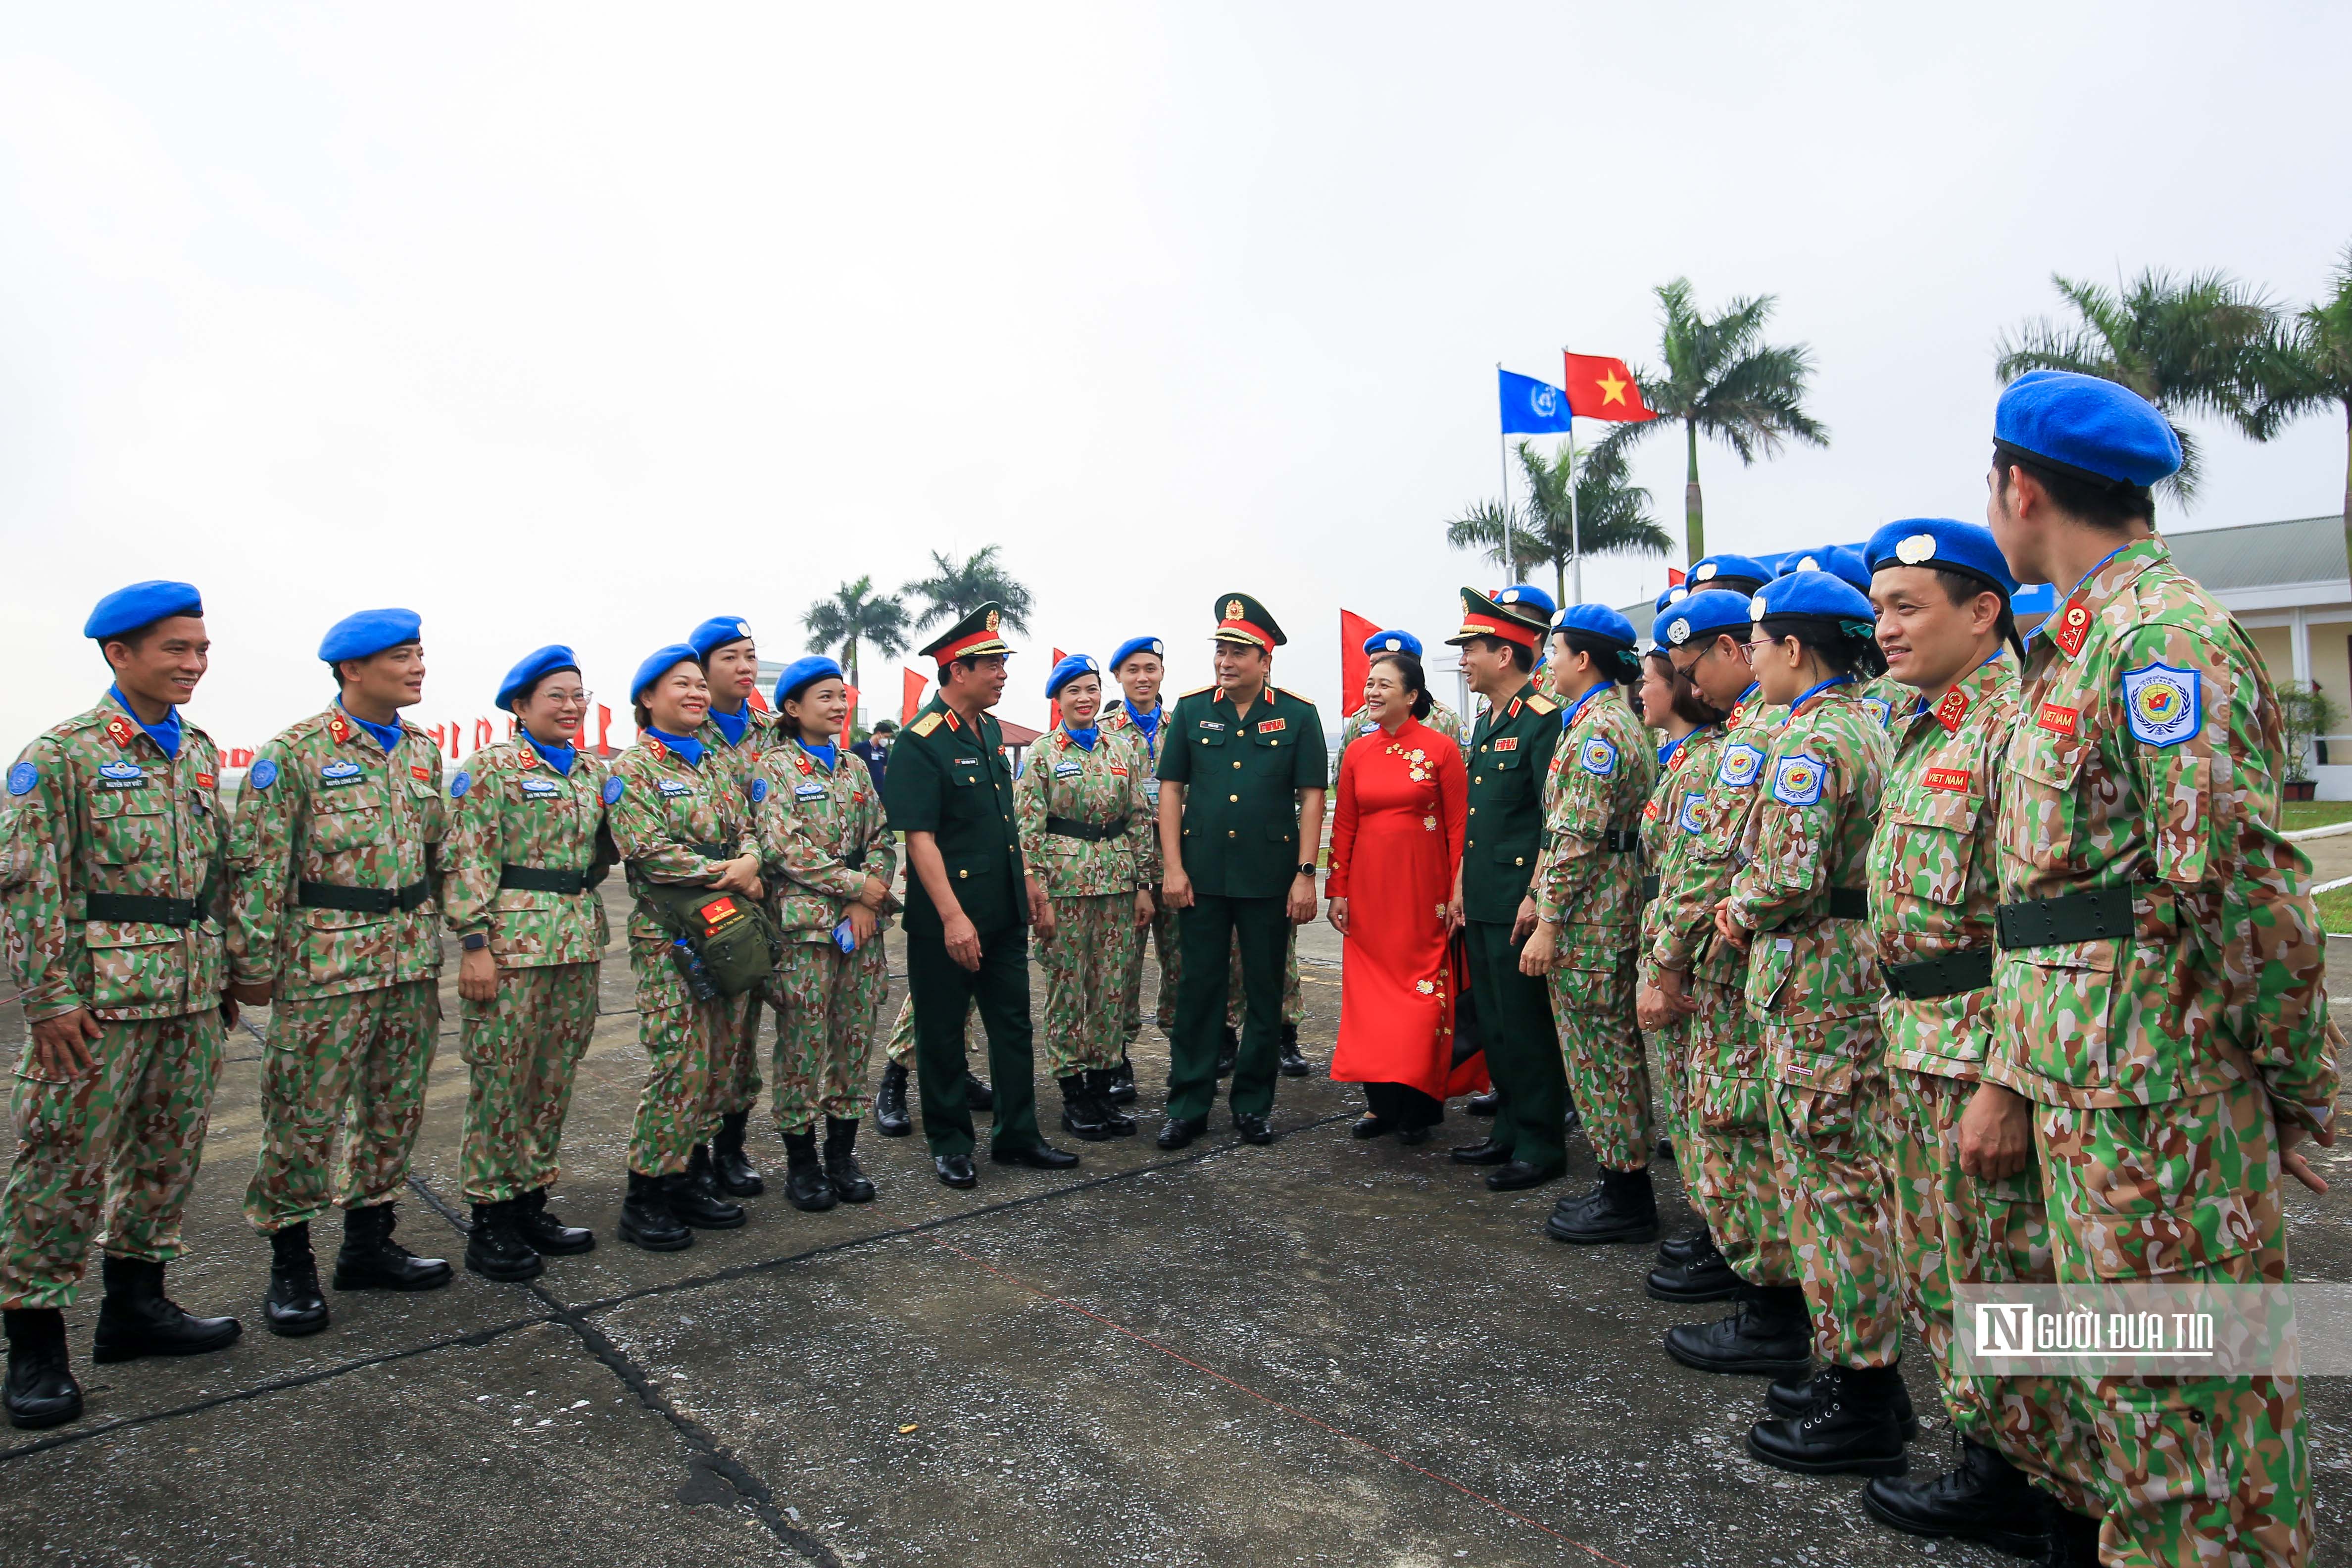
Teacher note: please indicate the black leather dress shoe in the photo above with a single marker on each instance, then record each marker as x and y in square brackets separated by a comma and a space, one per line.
[977, 1095]
[1252, 1129]
[1181, 1129]
[1371, 1124]
[1519, 1175]
[1484, 1104]
[1038, 1156]
[955, 1169]
[1487, 1153]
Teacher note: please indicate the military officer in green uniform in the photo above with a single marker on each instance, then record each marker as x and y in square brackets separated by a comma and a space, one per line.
[1510, 757]
[110, 847]
[1238, 833]
[949, 791]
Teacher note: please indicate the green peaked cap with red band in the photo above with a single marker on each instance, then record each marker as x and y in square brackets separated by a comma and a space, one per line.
[1243, 619]
[974, 636]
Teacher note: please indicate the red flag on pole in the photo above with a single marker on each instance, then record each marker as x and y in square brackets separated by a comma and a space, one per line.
[1054, 709]
[848, 719]
[604, 731]
[757, 700]
[1599, 387]
[910, 700]
[1354, 662]
[1673, 577]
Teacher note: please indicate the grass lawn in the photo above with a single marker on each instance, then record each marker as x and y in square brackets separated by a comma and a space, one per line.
[2335, 912]
[2299, 813]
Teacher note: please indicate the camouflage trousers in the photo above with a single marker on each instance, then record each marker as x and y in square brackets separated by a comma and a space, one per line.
[1162, 939]
[826, 1003]
[1095, 939]
[1734, 1185]
[2189, 1469]
[1608, 1070]
[902, 1033]
[687, 1045]
[735, 1076]
[1826, 1145]
[523, 1046]
[1670, 1070]
[1293, 1009]
[1953, 1229]
[120, 1145]
[359, 1059]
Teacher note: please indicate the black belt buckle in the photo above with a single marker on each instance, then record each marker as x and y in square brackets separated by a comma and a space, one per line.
[362, 901]
[1946, 974]
[544, 879]
[2095, 916]
[140, 908]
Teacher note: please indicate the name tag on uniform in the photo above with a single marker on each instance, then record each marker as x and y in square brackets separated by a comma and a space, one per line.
[1953, 779]
[808, 791]
[335, 775]
[1507, 743]
[673, 789]
[121, 776]
[1212, 725]
[1271, 725]
[1068, 769]
[539, 789]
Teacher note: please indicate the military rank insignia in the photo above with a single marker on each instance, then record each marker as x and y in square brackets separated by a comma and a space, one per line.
[2074, 626]
[2162, 705]
[122, 730]
[1952, 710]
[1739, 765]
[1798, 780]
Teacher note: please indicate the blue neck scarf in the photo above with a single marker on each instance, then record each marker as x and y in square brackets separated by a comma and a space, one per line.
[560, 758]
[1085, 738]
[1567, 714]
[1813, 691]
[1667, 749]
[732, 725]
[685, 747]
[386, 735]
[828, 756]
[165, 734]
[1147, 722]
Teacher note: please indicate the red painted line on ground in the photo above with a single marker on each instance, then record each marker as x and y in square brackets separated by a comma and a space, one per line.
[1269, 1400]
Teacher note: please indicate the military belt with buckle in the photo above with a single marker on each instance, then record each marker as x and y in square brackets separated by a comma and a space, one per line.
[1946, 974]
[362, 901]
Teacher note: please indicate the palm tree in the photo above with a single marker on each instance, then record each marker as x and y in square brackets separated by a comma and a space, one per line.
[956, 588]
[2306, 368]
[1724, 381]
[855, 615]
[2182, 343]
[1611, 518]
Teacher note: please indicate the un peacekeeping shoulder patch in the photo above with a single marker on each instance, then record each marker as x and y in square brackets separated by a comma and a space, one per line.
[262, 774]
[1797, 781]
[2162, 705]
[614, 789]
[759, 791]
[1740, 762]
[1598, 757]
[22, 777]
[460, 784]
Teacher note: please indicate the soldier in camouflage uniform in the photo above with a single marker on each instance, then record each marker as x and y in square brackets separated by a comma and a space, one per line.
[110, 847]
[519, 894]
[1083, 819]
[334, 865]
[1587, 892]
[1672, 708]
[2159, 1014]
[1139, 666]
[829, 860]
[735, 733]
[1883, 697]
[1942, 593]
[1798, 905]
[677, 816]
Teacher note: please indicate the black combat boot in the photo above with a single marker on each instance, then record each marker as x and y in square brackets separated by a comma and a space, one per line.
[693, 1196]
[805, 1183]
[891, 1117]
[495, 1248]
[1794, 1396]
[1770, 1333]
[293, 1305]
[1619, 1207]
[977, 1095]
[1122, 1082]
[1229, 1051]
[138, 1320]
[1704, 1275]
[646, 1218]
[1850, 1426]
[1484, 1104]
[728, 1163]
[1684, 1247]
[40, 1390]
[1293, 1064]
[1098, 1084]
[849, 1184]
[1987, 1498]
[370, 1260]
[1082, 1115]
[549, 1236]
[2073, 1538]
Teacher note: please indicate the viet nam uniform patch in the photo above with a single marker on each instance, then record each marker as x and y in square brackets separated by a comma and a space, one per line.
[1739, 765]
[2162, 705]
[1598, 757]
[1797, 781]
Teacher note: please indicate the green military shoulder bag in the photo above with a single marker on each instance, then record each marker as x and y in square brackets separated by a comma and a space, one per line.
[722, 943]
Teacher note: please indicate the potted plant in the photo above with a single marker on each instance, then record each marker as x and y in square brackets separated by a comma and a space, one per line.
[2306, 714]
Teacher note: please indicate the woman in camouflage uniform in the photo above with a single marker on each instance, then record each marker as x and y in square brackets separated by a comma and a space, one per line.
[673, 823]
[1674, 709]
[520, 897]
[829, 860]
[1083, 817]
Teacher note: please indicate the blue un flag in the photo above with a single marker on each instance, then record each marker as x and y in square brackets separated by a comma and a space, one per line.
[1531, 408]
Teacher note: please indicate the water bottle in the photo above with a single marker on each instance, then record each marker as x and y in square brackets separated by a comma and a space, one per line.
[690, 966]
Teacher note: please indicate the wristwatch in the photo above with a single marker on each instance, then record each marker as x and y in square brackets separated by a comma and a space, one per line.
[1307, 868]
[473, 941]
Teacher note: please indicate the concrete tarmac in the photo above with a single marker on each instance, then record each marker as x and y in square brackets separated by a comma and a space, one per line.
[1319, 1351]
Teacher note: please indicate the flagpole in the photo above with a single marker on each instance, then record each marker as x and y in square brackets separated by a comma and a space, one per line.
[1575, 532]
[1503, 458]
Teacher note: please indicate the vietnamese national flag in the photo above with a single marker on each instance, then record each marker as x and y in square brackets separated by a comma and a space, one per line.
[1599, 387]
[1053, 709]
[1354, 662]
[848, 720]
[1674, 577]
[910, 697]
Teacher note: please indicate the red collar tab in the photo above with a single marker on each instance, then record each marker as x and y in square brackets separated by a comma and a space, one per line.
[340, 728]
[122, 731]
[525, 755]
[1513, 710]
[2074, 626]
[1952, 708]
[954, 723]
[658, 750]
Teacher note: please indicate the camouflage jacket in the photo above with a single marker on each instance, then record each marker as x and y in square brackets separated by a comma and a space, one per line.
[94, 806]
[1590, 880]
[1932, 864]
[674, 821]
[1888, 700]
[1100, 787]
[2147, 755]
[821, 835]
[763, 734]
[1714, 825]
[1810, 970]
[1115, 719]
[510, 807]
[1442, 719]
[1680, 772]
[323, 804]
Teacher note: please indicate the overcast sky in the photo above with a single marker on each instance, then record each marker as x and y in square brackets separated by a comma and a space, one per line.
[567, 325]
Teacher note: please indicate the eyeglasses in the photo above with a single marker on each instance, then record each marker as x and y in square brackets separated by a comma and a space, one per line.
[568, 698]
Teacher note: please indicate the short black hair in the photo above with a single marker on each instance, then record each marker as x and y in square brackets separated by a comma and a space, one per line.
[1843, 649]
[1408, 668]
[887, 727]
[2112, 506]
[1960, 587]
[1523, 657]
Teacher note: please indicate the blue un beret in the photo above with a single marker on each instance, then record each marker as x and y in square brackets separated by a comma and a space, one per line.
[1702, 614]
[1595, 621]
[1072, 666]
[658, 663]
[1393, 642]
[715, 634]
[141, 604]
[1527, 596]
[1134, 646]
[2083, 425]
[369, 632]
[802, 674]
[1674, 596]
[526, 674]
[1838, 559]
[1943, 544]
[1709, 570]
[1811, 593]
